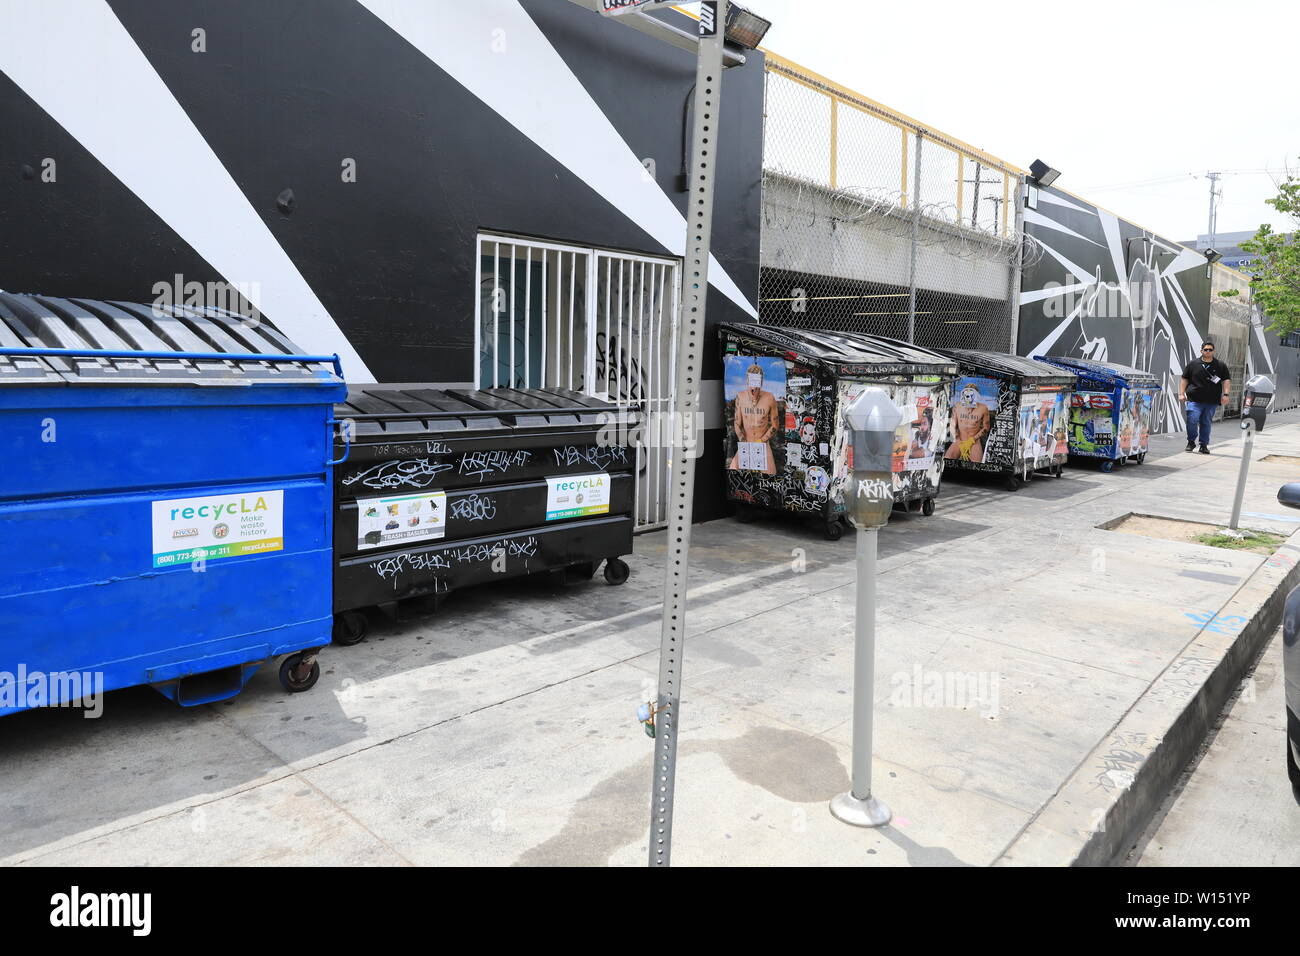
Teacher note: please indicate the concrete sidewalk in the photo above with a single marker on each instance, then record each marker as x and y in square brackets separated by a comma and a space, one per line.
[1015, 638]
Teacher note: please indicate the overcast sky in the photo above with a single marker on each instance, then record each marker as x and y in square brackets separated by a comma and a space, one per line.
[1113, 94]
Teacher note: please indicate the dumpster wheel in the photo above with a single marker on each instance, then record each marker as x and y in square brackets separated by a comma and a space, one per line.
[1013, 483]
[292, 676]
[927, 507]
[350, 628]
[834, 529]
[616, 571]
[1108, 466]
[1141, 457]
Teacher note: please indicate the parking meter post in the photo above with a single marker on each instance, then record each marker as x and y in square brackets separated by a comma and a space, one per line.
[871, 420]
[1247, 444]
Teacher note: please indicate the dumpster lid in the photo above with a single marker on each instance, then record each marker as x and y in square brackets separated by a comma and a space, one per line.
[1036, 374]
[128, 343]
[413, 410]
[840, 349]
[1102, 370]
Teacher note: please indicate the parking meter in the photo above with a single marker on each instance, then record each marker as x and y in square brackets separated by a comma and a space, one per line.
[1254, 406]
[871, 420]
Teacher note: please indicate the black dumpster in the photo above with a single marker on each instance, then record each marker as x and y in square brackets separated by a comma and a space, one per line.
[445, 487]
[786, 443]
[1010, 416]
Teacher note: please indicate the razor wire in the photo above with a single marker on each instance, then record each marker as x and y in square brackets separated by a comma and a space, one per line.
[862, 207]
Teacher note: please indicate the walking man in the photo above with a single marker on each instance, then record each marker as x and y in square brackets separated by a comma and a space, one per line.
[1205, 386]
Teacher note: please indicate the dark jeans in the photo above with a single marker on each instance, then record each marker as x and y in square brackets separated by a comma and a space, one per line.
[1199, 416]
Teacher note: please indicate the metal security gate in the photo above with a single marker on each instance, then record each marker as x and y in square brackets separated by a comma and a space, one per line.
[598, 321]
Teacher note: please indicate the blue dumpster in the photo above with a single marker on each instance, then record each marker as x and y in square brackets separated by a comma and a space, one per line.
[165, 511]
[1110, 411]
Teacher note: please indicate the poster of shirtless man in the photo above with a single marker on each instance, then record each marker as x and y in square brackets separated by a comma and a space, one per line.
[756, 394]
[971, 423]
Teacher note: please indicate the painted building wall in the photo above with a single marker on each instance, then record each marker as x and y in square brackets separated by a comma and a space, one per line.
[211, 139]
[1103, 288]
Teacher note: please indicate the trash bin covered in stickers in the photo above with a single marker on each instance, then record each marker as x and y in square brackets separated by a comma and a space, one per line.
[1010, 416]
[1111, 410]
[787, 449]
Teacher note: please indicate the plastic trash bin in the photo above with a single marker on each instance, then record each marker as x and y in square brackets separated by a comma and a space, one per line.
[1110, 410]
[1010, 416]
[164, 505]
[787, 447]
[446, 487]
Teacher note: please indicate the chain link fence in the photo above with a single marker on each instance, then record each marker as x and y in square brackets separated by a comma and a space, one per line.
[873, 223]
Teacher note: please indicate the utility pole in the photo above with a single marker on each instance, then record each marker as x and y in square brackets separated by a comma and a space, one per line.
[1215, 195]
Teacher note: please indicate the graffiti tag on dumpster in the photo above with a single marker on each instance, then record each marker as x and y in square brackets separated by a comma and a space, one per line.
[598, 456]
[508, 547]
[479, 464]
[474, 508]
[410, 561]
[411, 473]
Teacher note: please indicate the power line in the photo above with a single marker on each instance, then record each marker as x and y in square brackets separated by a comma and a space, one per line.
[1170, 179]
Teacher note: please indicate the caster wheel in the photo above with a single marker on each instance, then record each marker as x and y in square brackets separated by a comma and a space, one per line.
[1107, 466]
[1013, 483]
[350, 628]
[295, 677]
[616, 571]
[834, 530]
[1141, 458]
[927, 507]
[745, 513]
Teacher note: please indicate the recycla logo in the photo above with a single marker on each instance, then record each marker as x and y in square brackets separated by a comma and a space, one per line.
[580, 483]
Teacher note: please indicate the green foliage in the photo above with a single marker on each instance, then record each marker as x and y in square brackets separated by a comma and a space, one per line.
[1229, 293]
[1276, 283]
[1263, 542]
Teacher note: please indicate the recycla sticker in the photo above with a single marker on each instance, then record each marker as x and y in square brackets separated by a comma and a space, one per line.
[576, 496]
[217, 526]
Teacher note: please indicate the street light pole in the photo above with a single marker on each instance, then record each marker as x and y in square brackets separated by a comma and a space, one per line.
[694, 298]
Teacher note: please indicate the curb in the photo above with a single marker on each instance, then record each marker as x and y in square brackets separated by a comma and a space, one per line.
[1102, 809]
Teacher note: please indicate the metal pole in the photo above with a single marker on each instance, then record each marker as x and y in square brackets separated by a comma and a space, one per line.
[916, 238]
[858, 806]
[1247, 443]
[695, 293]
[1214, 188]
[1017, 266]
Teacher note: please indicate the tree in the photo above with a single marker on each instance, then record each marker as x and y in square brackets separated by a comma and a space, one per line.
[1275, 285]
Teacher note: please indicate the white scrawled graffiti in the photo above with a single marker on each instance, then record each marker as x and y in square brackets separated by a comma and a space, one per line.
[409, 561]
[479, 464]
[875, 489]
[514, 548]
[473, 508]
[410, 473]
[597, 456]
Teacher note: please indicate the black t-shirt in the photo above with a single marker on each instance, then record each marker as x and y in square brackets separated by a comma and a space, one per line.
[1205, 382]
